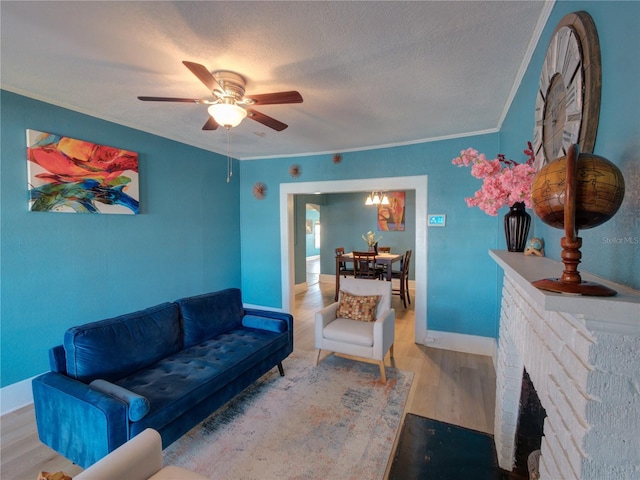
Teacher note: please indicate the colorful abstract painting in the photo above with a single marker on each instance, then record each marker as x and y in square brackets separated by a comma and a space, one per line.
[69, 175]
[391, 217]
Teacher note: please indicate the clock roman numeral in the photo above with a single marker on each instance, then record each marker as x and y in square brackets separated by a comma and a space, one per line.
[564, 37]
[571, 55]
[574, 95]
[571, 130]
[539, 112]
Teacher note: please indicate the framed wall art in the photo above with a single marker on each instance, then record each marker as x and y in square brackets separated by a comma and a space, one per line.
[391, 217]
[70, 175]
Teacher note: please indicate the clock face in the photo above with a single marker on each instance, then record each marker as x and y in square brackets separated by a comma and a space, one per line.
[559, 103]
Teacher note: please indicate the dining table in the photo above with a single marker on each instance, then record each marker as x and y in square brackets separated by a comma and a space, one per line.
[385, 259]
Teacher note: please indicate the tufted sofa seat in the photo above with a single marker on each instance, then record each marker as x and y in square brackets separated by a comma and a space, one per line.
[199, 370]
[166, 368]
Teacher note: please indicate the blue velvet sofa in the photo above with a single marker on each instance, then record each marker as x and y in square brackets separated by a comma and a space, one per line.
[167, 367]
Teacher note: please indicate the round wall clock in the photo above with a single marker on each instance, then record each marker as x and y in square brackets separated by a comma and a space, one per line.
[568, 99]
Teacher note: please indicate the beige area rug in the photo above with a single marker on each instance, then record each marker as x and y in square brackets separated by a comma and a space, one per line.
[334, 421]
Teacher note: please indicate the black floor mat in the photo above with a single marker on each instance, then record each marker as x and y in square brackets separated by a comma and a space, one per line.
[432, 450]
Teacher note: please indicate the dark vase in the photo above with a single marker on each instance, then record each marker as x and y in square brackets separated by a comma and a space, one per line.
[516, 227]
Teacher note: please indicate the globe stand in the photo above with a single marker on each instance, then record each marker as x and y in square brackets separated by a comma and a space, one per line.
[571, 282]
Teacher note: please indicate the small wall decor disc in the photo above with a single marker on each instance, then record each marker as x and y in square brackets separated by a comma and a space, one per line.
[259, 190]
[295, 170]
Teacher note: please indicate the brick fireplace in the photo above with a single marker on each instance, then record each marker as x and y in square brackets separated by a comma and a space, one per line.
[583, 357]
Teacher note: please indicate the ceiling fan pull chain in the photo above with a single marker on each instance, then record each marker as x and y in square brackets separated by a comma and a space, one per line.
[229, 162]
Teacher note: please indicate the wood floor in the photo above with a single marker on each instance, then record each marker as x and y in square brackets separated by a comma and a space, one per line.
[452, 387]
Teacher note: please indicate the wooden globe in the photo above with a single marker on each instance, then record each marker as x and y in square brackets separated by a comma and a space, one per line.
[599, 191]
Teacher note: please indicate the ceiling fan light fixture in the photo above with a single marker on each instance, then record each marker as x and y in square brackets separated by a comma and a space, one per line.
[385, 200]
[369, 201]
[227, 114]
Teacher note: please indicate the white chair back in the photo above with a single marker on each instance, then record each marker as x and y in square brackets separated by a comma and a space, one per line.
[359, 286]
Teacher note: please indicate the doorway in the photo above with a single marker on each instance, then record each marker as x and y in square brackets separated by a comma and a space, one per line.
[312, 247]
[417, 183]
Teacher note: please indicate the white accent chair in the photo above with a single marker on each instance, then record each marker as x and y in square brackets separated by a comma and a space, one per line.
[366, 341]
[138, 459]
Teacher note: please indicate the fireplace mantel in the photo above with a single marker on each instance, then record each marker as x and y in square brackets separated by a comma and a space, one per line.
[619, 314]
[583, 357]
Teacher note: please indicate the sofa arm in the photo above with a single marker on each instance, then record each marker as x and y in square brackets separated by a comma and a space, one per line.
[384, 333]
[138, 459]
[324, 316]
[80, 423]
[287, 318]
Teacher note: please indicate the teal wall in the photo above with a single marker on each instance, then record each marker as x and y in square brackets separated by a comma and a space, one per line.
[61, 269]
[612, 250]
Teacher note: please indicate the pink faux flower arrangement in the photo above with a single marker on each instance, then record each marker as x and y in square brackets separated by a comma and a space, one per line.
[505, 182]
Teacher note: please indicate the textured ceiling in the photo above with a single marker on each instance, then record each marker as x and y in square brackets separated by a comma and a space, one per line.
[371, 73]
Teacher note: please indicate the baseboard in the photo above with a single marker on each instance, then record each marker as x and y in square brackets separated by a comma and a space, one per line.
[15, 396]
[460, 342]
[300, 287]
[327, 278]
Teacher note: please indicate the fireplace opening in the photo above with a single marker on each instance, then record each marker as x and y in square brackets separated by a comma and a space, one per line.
[529, 431]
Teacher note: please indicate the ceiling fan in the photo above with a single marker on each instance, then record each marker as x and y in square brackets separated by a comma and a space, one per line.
[229, 106]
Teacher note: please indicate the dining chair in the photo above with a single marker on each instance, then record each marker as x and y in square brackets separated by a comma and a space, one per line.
[342, 266]
[403, 277]
[383, 267]
[364, 265]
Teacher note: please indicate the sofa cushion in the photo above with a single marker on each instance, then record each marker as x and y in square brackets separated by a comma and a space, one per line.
[206, 316]
[345, 330]
[175, 384]
[113, 348]
[358, 307]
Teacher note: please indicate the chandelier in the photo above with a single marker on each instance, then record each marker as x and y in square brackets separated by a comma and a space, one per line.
[377, 198]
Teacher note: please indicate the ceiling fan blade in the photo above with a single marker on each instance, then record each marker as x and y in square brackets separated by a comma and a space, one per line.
[203, 75]
[170, 99]
[266, 120]
[276, 98]
[210, 125]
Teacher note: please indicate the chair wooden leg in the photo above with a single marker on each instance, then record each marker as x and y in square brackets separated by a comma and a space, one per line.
[318, 357]
[383, 372]
[406, 289]
[391, 351]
